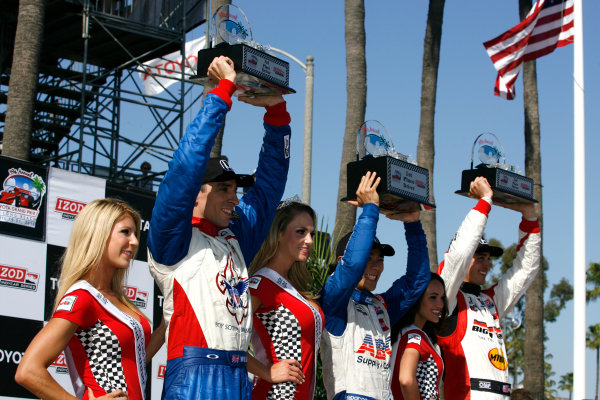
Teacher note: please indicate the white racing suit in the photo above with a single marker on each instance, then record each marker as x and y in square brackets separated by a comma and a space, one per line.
[473, 346]
[356, 345]
[200, 268]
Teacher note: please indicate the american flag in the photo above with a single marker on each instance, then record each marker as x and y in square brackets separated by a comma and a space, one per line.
[548, 25]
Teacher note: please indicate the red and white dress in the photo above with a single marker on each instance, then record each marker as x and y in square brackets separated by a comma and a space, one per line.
[286, 326]
[108, 350]
[430, 368]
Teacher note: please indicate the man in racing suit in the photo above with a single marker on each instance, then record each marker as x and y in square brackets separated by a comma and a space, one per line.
[356, 345]
[473, 344]
[201, 238]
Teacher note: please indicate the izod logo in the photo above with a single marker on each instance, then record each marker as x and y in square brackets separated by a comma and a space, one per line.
[497, 359]
[60, 364]
[136, 296]
[161, 371]
[18, 278]
[68, 208]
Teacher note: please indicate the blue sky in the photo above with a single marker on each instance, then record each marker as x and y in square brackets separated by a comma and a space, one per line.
[465, 108]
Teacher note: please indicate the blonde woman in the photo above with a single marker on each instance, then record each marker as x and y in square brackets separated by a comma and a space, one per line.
[287, 320]
[103, 334]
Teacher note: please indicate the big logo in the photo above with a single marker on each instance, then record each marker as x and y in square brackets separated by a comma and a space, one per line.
[136, 296]
[497, 359]
[18, 278]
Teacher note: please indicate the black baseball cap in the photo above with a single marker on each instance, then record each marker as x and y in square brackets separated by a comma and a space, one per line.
[218, 170]
[386, 249]
[485, 247]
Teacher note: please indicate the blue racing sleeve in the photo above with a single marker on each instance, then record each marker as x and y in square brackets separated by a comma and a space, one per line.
[257, 208]
[339, 287]
[407, 289]
[171, 224]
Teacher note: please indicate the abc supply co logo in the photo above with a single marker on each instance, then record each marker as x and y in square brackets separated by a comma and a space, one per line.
[136, 296]
[60, 364]
[18, 278]
[68, 208]
[21, 195]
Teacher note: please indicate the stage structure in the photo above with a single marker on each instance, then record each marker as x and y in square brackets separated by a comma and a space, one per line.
[89, 92]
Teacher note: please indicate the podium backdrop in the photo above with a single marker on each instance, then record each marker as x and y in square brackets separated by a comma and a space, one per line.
[37, 209]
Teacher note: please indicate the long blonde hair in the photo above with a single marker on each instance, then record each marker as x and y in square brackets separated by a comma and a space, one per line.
[91, 231]
[298, 275]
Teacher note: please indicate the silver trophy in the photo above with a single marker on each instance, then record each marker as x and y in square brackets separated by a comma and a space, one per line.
[404, 186]
[508, 184]
[258, 73]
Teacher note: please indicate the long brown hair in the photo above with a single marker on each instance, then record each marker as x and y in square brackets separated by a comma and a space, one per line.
[89, 237]
[298, 274]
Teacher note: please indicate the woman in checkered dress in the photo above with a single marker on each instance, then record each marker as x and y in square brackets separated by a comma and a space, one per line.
[287, 322]
[418, 365]
[103, 335]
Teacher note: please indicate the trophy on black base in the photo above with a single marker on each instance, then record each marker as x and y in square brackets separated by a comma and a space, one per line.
[508, 185]
[404, 186]
[258, 73]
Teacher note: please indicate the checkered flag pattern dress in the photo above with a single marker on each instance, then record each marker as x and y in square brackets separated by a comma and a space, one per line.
[284, 329]
[104, 353]
[427, 373]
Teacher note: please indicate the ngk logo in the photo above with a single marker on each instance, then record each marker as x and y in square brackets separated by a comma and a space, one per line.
[68, 208]
[161, 371]
[136, 296]
[60, 364]
[18, 278]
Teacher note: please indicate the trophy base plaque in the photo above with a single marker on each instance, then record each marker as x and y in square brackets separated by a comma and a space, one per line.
[403, 187]
[508, 187]
[259, 73]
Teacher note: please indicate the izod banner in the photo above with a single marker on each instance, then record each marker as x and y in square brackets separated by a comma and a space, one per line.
[68, 193]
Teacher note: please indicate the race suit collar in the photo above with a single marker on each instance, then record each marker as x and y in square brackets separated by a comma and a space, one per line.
[206, 226]
[362, 296]
[470, 288]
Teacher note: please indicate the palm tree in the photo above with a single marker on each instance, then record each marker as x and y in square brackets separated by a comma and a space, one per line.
[425, 146]
[356, 102]
[534, 306]
[592, 341]
[22, 86]
[592, 277]
[566, 383]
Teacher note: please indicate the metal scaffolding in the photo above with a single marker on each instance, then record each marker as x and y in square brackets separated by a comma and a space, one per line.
[91, 113]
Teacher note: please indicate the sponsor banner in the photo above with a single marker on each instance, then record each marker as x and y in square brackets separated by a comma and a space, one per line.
[143, 202]
[60, 372]
[68, 193]
[23, 188]
[139, 288]
[14, 340]
[158, 306]
[159, 366]
[22, 278]
[159, 361]
[53, 255]
[158, 74]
